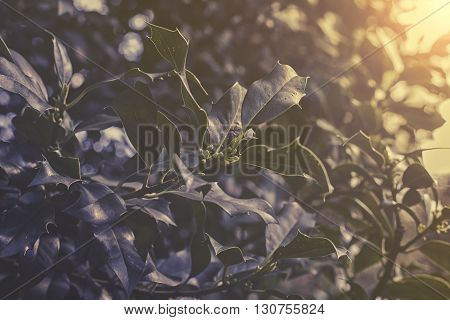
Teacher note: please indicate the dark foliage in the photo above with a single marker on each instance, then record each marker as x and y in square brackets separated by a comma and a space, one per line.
[216, 207]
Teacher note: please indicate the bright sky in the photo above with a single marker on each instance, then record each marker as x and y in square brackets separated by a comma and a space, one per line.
[437, 162]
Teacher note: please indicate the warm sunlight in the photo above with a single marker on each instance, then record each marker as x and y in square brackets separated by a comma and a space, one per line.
[420, 40]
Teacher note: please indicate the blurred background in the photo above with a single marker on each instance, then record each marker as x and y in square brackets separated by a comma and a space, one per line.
[375, 65]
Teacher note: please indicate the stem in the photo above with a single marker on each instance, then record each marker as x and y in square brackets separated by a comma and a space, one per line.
[147, 191]
[224, 276]
[196, 293]
[389, 267]
[396, 245]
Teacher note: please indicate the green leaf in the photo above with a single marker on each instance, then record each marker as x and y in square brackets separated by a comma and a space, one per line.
[33, 76]
[97, 122]
[227, 255]
[191, 103]
[364, 142]
[412, 197]
[419, 119]
[66, 166]
[225, 114]
[419, 287]
[344, 171]
[438, 252]
[10, 84]
[417, 177]
[94, 203]
[234, 206]
[192, 181]
[135, 109]
[63, 65]
[134, 73]
[272, 95]
[170, 135]
[47, 175]
[292, 160]
[21, 227]
[291, 217]
[156, 208]
[4, 50]
[122, 256]
[38, 128]
[369, 215]
[145, 230]
[303, 246]
[200, 253]
[171, 45]
[365, 258]
[197, 88]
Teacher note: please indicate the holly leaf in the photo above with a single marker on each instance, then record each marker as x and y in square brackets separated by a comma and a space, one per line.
[156, 208]
[66, 166]
[171, 45]
[437, 251]
[190, 101]
[12, 85]
[364, 142]
[122, 256]
[31, 73]
[417, 177]
[4, 50]
[63, 65]
[272, 95]
[135, 108]
[292, 160]
[199, 250]
[234, 206]
[192, 181]
[224, 114]
[227, 255]
[38, 128]
[47, 175]
[22, 226]
[291, 218]
[419, 287]
[303, 246]
[170, 135]
[156, 276]
[97, 122]
[94, 203]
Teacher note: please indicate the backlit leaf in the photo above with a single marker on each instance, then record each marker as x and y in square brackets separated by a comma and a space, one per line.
[63, 65]
[171, 45]
[272, 95]
[14, 86]
[224, 114]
